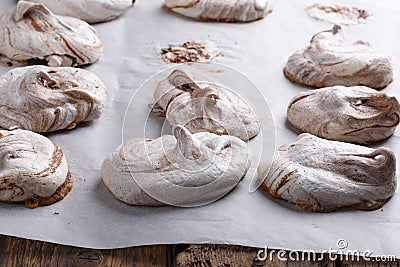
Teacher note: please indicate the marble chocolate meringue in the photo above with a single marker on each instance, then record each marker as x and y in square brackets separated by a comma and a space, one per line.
[337, 14]
[33, 169]
[220, 10]
[45, 99]
[331, 60]
[319, 175]
[91, 11]
[32, 32]
[183, 170]
[355, 114]
[204, 107]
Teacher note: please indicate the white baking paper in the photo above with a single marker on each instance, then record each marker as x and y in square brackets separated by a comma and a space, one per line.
[91, 217]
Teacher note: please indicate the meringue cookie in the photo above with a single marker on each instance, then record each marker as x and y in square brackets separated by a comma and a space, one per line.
[322, 176]
[342, 15]
[220, 10]
[210, 107]
[331, 60]
[33, 169]
[45, 99]
[350, 114]
[182, 170]
[91, 11]
[32, 32]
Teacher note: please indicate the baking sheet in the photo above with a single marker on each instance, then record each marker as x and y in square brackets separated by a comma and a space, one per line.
[91, 217]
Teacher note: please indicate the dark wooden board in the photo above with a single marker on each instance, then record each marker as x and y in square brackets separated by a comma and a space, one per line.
[21, 252]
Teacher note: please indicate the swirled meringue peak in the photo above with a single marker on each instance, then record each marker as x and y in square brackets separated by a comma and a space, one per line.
[331, 60]
[45, 99]
[32, 32]
[182, 170]
[355, 114]
[319, 175]
[32, 169]
[205, 106]
[88, 10]
[220, 10]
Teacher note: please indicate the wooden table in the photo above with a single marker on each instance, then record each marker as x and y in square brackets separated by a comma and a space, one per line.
[21, 252]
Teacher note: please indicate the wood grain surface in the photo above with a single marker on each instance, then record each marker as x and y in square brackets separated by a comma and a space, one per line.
[21, 252]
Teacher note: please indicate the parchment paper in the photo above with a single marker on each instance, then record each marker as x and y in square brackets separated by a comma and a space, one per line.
[91, 217]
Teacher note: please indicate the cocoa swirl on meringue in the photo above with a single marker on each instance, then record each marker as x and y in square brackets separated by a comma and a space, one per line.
[331, 60]
[45, 99]
[220, 10]
[32, 32]
[355, 114]
[319, 175]
[88, 10]
[184, 169]
[33, 169]
[204, 107]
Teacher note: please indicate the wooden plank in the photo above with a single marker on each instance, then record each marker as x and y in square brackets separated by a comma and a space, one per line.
[226, 255]
[22, 252]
